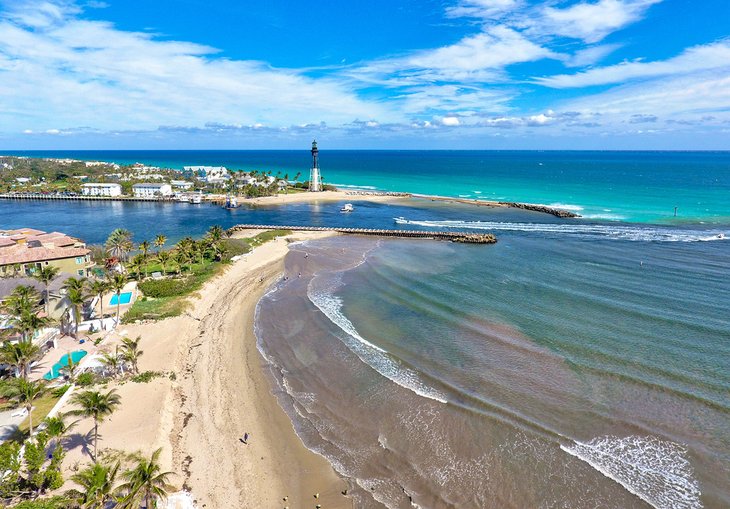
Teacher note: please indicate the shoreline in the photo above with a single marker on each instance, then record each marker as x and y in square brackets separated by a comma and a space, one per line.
[219, 392]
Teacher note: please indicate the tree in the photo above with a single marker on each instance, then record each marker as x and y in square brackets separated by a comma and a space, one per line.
[146, 482]
[136, 266]
[97, 486]
[46, 275]
[163, 257]
[96, 405]
[144, 248]
[70, 368]
[119, 243]
[117, 283]
[25, 392]
[76, 299]
[98, 288]
[160, 240]
[131, 352]
[112, 362]
[23, 298]
[19, 355]
[27, 323]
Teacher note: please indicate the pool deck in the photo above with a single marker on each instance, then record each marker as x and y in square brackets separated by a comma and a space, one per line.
[66, 344]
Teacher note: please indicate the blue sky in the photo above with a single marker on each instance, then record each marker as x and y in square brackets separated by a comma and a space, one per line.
[502, 74]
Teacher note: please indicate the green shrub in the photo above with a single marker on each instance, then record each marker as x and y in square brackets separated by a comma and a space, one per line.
[45, 503]
[60, 391]
[159, 288]
[146, 377]
[86, 379]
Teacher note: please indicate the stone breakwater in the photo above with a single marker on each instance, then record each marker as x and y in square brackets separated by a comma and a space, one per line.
[539, 208]
[461, 237]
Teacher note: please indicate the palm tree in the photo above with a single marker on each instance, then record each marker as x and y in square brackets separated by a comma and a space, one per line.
[117, 283]
[27, 323]
[146, 482]
[163, 257]
[111, 361]
[25, 392]
[23, 298]
[182, 257]
[119, 243]
[46, 275]
[70, 368]
[131, 352]
[160, 240]
[97, 486]
[136, 266]
[19, 355]
[57, 428]
[96, 405]
[144, 248]
[98, 288]
[76, 298]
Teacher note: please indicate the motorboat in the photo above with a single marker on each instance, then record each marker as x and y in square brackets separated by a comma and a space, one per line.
[347, 207]
[196, 199]
[231, 203]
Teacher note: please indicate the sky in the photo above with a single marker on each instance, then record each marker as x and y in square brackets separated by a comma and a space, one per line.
[382, 74]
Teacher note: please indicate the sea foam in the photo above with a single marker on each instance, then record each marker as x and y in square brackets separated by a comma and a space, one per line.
[374, 356]
[656, 471]
[616, 232]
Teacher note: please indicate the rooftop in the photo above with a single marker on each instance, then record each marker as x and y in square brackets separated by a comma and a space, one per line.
[26, 245]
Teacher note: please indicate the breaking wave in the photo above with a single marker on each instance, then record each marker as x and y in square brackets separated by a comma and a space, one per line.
[654, 470]
[619, 232]
[375, 357]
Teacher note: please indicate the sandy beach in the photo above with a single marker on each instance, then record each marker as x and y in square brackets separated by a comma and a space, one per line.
[219, 391]
[324, 196]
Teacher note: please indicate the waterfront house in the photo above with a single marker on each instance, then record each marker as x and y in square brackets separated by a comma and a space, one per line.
[151, 190]
[182, 185]
[99, 189]
[24, 251]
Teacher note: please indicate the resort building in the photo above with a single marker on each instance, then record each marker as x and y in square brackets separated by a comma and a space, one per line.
[182, 185]
[151, 190]
[209, 174]
[24, 251]
[101, 189]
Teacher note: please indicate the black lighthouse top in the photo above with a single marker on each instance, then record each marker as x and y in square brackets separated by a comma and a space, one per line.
[315, 154]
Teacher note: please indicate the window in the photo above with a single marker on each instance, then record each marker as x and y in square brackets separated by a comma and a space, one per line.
[81, 273]
[79, 260]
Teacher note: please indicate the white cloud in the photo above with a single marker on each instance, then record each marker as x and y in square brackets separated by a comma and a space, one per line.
[486, 9]
[591, 21]
[60, 68]
[450, 121]
[698, 58]
[590, 55]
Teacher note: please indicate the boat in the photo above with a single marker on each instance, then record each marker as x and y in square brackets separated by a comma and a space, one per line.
[347, 208]
[720, 236]
[196, 198]
[182, 198]
[231, 203]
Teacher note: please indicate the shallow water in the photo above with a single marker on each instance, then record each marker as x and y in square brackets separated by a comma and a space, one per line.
[540, 372]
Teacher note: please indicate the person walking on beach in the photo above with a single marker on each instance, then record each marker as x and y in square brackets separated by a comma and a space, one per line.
[244, 439]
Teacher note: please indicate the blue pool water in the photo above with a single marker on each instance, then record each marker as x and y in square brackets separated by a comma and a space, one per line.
[124, 298]
[55, 371]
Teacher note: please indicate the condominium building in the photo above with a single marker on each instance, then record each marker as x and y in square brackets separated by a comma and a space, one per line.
[25, 251]
[151, 190]
[101, 189]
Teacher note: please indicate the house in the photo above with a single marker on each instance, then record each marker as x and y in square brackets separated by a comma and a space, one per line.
[209, 174]
[24, 251]
[181, 185]
[22, 180]
[151, 190]
[101, 189]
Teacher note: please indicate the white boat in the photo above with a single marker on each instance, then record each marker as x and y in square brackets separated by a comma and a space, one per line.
[182, 198]
[196, 199]
[231, 203]
[347, 208]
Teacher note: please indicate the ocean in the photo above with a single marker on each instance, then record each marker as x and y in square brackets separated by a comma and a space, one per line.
[575, 363]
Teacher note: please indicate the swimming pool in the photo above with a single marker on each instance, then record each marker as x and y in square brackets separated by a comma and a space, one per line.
[124, 298]
[55, 371]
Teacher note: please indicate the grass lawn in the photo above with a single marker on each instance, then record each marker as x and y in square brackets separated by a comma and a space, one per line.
[41, 407]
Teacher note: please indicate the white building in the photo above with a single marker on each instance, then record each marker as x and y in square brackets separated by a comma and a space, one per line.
[151, 190]
[209, 174]
[181, 184]
[101, 190]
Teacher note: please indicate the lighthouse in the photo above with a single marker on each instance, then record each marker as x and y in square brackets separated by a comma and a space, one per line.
[315, 179]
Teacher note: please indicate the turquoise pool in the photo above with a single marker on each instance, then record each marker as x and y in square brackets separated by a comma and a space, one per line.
[55, 371]
[124, 298]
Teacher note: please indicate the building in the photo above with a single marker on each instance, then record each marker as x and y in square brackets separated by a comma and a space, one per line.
[182, 185]
[209, 174]
[24, 251]
[315, 178]
[101, 189]
[151, 190]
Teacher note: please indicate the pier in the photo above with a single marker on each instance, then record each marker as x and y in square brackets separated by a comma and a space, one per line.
[42, 196]
[462, 237]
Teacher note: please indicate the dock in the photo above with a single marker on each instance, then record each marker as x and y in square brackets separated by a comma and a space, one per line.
[42, 196]
[462, 237]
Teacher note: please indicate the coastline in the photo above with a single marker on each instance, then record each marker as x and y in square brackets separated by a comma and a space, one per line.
[219, 392]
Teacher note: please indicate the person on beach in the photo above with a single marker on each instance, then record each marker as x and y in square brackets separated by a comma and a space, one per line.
[244, 439]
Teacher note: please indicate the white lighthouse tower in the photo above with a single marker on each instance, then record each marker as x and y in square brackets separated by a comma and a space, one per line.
[315, 179]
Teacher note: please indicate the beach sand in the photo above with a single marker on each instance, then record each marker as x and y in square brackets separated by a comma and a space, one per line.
[324, 196]
[219, 392]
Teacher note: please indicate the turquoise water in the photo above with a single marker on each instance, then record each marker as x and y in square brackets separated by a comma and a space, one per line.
[124, 298]
[55, 371]
[614, 186]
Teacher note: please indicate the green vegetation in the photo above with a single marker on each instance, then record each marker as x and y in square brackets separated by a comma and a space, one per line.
[146, 377]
